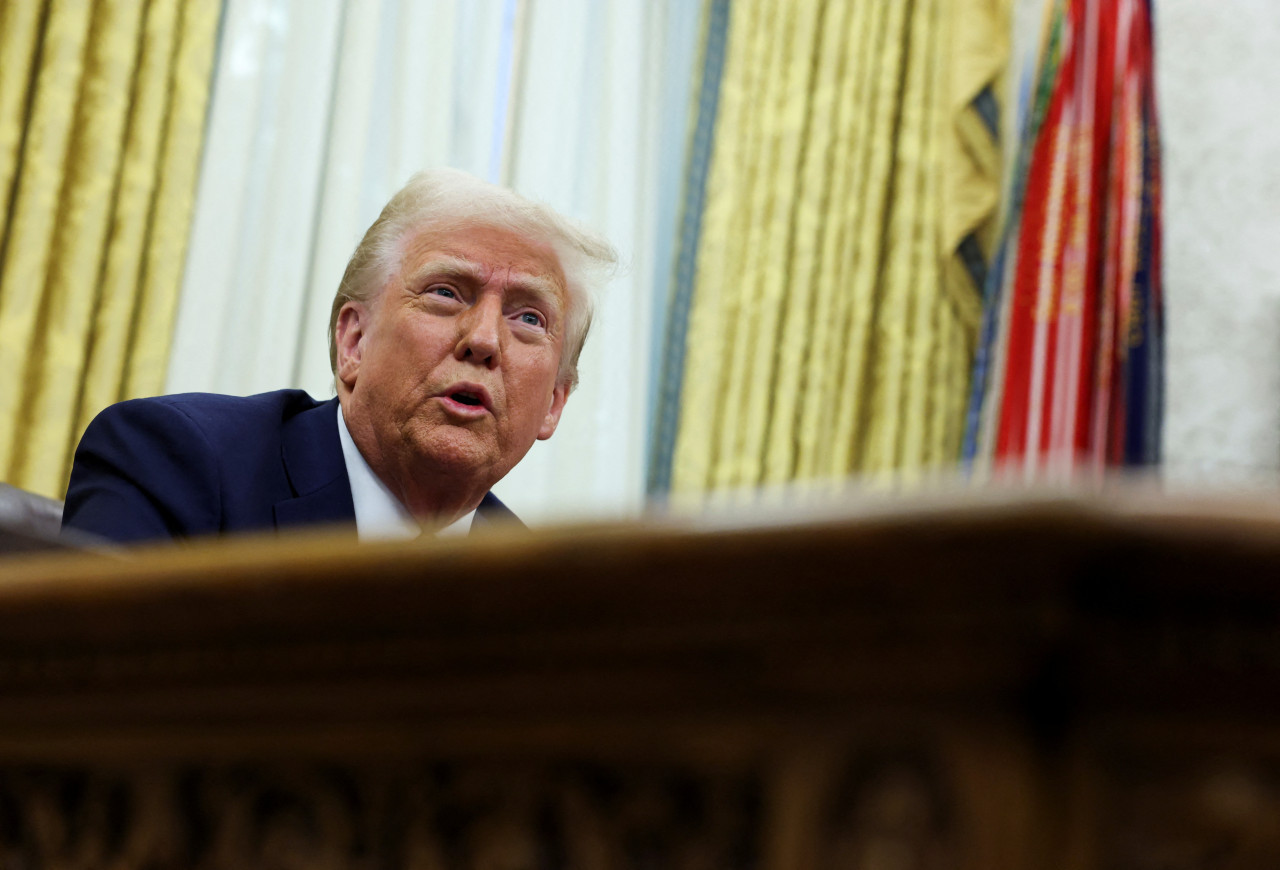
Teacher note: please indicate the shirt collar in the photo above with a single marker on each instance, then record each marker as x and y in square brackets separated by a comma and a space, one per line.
[379, 514]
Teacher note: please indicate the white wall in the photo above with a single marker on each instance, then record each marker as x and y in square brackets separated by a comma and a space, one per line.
[1218, 74]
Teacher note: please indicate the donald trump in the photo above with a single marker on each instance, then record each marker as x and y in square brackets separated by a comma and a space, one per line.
[454, 339]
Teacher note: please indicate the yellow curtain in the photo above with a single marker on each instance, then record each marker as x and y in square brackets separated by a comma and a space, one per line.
[833, 317]
[102, 106]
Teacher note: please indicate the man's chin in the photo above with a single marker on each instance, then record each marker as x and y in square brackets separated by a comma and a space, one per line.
[473, 454]
[457, 456]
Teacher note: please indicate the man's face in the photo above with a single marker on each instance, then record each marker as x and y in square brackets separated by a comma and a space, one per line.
[451, 370]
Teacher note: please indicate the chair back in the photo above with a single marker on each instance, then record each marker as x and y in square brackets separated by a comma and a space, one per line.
[27, 518]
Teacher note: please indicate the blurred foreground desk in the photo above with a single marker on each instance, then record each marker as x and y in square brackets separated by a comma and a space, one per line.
[1026, 683]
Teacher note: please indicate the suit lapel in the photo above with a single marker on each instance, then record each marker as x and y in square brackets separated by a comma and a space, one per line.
[491, 510]
[312, 457]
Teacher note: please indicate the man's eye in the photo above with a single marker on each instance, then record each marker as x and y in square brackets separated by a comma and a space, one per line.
[442, 290]
[531, 317]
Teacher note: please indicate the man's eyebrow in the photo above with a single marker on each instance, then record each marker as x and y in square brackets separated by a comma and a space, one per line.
[539, 288]
[450, 267]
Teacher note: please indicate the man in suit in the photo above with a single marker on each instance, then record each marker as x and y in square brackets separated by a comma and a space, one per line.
[454, 339]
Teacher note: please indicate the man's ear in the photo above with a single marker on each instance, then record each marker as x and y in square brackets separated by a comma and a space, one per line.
[559, 396]
[348, 337]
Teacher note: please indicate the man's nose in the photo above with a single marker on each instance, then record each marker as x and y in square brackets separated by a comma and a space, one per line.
[480, 328]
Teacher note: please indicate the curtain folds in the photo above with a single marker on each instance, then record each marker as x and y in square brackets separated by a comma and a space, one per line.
[101, 119]
[852, 184]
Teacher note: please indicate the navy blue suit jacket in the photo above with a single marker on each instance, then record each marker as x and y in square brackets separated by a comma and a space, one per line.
[200, 464]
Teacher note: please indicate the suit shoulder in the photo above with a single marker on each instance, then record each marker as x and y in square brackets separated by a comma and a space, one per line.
[217, 414]
[181, 465]
[273, 402]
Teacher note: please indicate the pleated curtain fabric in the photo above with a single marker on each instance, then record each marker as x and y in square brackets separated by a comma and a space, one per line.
[102, 108]
[840, 251]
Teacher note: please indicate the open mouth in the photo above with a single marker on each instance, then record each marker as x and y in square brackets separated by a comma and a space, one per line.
[468, 395]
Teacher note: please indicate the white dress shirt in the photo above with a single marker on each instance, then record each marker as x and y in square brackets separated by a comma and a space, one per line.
[379, 514]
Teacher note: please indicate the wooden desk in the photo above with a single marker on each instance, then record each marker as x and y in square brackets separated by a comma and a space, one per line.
[980, 683]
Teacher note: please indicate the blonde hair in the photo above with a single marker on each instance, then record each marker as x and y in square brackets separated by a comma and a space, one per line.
[436, 199]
